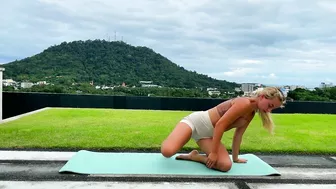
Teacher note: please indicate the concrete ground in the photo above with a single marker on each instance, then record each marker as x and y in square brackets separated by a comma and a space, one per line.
[33, 169]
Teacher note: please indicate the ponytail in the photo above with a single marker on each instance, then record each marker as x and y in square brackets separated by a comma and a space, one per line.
[267, 121]
[269, 93]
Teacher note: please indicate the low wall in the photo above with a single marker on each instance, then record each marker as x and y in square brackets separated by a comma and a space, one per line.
[18, 103]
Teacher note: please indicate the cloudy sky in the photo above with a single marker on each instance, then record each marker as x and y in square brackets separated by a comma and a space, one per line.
[274, 42]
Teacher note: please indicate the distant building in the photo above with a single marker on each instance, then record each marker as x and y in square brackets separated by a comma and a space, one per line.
[26, 84]
[41, 83]
[213, 91]
[247, 87]
[325, 85]
[148, 84]
[293, 87]
[8, 82]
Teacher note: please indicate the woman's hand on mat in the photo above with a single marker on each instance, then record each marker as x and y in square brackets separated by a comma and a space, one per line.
[212, 159]
[240, 161]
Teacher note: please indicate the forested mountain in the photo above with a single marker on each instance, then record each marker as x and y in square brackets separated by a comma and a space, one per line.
[106, 63]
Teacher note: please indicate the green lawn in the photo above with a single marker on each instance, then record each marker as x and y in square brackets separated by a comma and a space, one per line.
[107, 129]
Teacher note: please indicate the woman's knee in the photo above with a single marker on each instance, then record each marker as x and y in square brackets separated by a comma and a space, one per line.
[224, 166]
[176, 140]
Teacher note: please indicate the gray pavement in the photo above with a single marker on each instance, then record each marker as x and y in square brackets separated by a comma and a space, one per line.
[36, 155]
[103, 185]
[152, 185]
[34, 169]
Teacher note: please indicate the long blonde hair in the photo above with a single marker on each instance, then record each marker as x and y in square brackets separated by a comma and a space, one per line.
[269, 93]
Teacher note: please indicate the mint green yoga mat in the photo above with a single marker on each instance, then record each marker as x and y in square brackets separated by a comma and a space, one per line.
[87, 162]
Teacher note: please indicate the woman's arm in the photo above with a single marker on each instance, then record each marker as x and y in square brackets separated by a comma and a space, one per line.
[236, 142]
[237, 138]
[240, 107]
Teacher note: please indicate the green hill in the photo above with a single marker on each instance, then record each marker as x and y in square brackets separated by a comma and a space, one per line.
[106, 63]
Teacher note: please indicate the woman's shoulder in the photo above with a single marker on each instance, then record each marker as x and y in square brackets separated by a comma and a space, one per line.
[237, 101]
[244, 104]
[241, 101]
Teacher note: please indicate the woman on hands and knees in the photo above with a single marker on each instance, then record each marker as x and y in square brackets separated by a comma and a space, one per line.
[207, 128]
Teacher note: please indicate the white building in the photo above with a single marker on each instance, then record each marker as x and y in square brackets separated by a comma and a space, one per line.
[325, 85]
[213, 91]
[8, 82]
[148, 84]
[26, 84]
[42, 83]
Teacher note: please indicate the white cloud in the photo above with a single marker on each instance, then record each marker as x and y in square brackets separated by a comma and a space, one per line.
[284, 40]
[328, 80]
[239, 72]
[249, 62]
[272, 75]
[328, 5]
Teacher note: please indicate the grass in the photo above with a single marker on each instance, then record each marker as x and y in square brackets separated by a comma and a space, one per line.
[107, 129]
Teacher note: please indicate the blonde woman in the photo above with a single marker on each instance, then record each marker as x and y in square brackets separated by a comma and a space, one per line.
[207, 128]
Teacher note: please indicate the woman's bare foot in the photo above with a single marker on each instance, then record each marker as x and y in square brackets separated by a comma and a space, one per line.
[189, 156]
